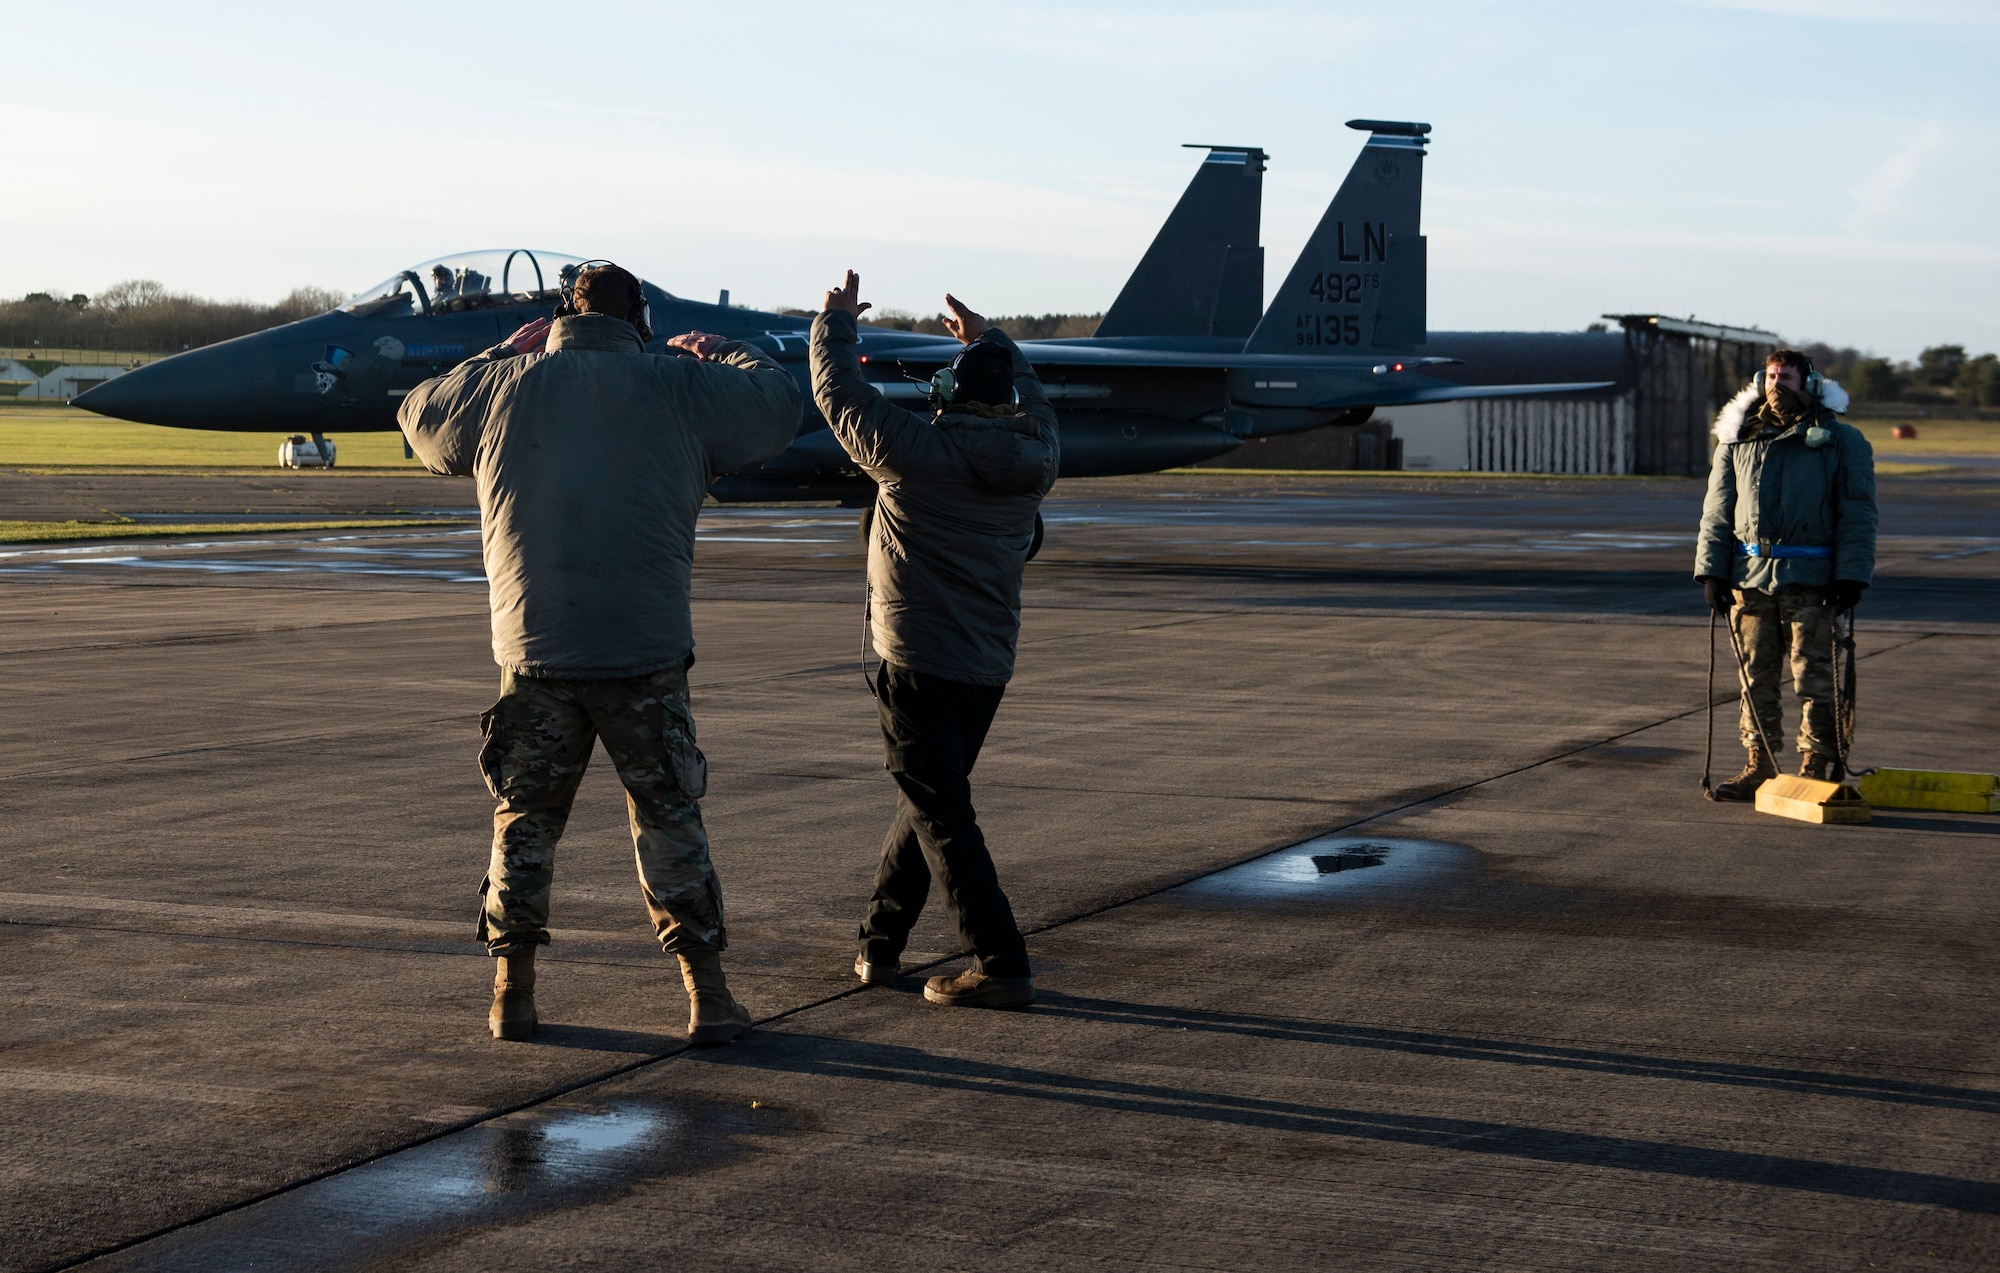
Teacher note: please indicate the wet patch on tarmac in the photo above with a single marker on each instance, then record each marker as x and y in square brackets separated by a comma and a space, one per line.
[451, 556]
[1440, 884]
[1334, 869]
[448, 556]
[510, 1168]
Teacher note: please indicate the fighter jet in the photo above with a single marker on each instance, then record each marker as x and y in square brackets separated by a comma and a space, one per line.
[1187, 364]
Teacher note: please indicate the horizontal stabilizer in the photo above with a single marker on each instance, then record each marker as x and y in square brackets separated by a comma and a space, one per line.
[1204, 273]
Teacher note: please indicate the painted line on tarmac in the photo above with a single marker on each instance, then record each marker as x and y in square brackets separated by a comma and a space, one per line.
[246, 917]
[303, 556]
[211, 544]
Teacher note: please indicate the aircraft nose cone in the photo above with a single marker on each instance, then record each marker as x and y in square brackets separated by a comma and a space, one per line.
[226, 386]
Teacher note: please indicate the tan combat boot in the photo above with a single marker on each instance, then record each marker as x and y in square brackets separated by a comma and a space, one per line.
[1744, 786]
[714, 1016]
[513, 1017]
[971, 989]
[1814, 766]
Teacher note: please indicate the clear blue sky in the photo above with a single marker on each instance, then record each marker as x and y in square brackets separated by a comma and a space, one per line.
[1824, 168]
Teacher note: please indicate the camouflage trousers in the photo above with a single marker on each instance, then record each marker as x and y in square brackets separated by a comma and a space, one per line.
[538, 741]
[1775, 627]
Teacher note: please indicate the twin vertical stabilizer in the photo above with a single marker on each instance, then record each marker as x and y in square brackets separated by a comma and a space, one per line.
[1359, 285]
[1204, 273]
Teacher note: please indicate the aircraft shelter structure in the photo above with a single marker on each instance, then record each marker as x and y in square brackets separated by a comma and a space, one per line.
[1683, 371]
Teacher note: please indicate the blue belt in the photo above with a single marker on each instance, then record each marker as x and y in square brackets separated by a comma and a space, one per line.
[1782, 550]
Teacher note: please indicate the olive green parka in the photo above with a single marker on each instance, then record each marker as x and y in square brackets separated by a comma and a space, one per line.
[1811, 485]
[592, 460]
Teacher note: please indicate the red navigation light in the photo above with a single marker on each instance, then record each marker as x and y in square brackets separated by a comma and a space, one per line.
[864, 358]
[1397, 367]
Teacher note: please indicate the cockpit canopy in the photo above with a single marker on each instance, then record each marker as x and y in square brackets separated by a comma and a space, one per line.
[468, 280]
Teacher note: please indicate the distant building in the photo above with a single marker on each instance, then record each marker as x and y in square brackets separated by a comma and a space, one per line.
[52, 379]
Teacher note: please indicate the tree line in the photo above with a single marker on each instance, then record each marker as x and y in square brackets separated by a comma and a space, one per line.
[141, 314]
[1019, 326]
[1940, 374]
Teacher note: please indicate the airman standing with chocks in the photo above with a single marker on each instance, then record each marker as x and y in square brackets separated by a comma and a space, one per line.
[1787, 545]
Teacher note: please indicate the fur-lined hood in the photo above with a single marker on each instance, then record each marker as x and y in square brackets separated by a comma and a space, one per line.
[1729, 420]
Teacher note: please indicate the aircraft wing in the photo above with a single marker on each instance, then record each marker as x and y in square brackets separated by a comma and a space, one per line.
[1441, 391]
[1051, 353]
[1328, 382]
[1410, 392]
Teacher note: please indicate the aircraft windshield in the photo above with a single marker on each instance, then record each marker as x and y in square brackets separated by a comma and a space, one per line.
[468, 280]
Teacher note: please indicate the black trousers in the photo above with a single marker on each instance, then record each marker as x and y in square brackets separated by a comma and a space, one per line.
[932, 729]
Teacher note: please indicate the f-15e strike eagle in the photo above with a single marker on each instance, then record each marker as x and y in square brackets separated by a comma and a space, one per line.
[1187, 363]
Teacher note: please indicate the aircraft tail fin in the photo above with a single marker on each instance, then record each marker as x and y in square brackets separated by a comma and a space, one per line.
[1204, 273]
[1359, 285]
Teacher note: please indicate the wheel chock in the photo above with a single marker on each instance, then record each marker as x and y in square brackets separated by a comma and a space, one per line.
[1931, 789]
[1808, 800]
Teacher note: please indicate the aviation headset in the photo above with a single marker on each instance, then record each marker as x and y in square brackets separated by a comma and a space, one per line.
[1812, 382]
[943, 385]
[641, 317]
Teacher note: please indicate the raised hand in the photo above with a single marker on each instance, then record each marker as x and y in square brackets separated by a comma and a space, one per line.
[529, 337]
[845, 299]
[962, 322]
[700, 344]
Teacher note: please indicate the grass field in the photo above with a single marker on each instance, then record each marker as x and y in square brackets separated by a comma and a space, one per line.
[1934, 437]
[53, 436]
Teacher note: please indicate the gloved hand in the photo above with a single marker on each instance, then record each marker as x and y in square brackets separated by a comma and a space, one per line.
[1845, 594]
[529, 337]
[1718, 593]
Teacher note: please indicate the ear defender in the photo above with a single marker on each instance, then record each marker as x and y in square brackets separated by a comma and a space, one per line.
[1812, 383]
[567, 309]
[943, 386]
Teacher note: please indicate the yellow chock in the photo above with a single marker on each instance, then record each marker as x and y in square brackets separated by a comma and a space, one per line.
[1809, 800]
[1931, 789]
